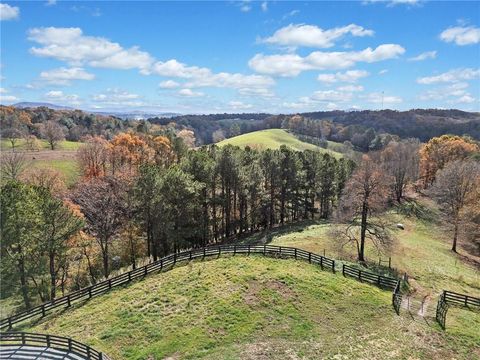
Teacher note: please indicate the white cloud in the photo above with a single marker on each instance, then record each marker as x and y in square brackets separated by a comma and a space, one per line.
[51, 2]
[71, 46]
[391, 3]
[383, 72]
[204, 77]
[455, 75]
[424, 56]
[350, 88]
[238, 105]
[59, 96]
[264, 6]
[331, 96]
[63, 76]
[256, 92]
[461, 35]
[290, 14]
[169, 84]
[453, 94]
[117, 97]
[8, 12]
[349, 76]
[190, 93]
[8, 98]
[245, 6]
[293, 64]
[313, 36]
[379, 98]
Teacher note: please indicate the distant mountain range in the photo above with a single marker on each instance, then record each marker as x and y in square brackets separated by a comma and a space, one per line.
[26, 104]
[126, 115]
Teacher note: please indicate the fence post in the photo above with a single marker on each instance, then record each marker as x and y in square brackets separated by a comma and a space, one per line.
[174, 258]
[333, 266]
[9, 323]
[100, 356]
[109, 283]
[90, 292]
[310, 257]
[23, 338]
[88, 352]
[390, 262]
[48, 340]
[145, 270]
[466, 300]
[343, 269]
[264, 249]
[129, 276]
[360, 275]
[68, 300]
[321, 262]
[295, 253]
[219, 251]
[204, 251]
[69, 344]
[234, 249]
[43, 310]
[190, 254]
[248, 249]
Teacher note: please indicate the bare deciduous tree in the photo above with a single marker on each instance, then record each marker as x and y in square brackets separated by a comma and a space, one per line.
[400, 160]
[103, 203]
[13, 164]
[454, 188]
[52, 131]
[365, 195]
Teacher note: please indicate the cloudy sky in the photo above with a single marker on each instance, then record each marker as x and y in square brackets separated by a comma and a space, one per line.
[269, 56]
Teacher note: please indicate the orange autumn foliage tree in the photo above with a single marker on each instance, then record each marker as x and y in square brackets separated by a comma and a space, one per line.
[162, 147]
[129, 150]
[439, 151]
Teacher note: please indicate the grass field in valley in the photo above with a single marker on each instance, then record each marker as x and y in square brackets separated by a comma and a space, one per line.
[62, 159]
[273, 139]
[251, 308]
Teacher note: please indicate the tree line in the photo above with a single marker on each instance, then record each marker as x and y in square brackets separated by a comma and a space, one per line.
[144, 196]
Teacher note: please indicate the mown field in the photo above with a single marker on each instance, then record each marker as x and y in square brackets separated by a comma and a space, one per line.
[251, 308]
[62, 159]
[273, 139]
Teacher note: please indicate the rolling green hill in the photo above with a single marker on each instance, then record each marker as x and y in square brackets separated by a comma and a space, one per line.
[273, 139]
[250, 308]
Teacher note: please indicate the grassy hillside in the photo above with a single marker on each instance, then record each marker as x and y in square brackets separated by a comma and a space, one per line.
[251, 308]
[273, 139]
[62, 159]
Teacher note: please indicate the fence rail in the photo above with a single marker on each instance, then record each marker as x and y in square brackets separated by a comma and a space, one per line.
[166, 263]
[448, 298]
[49, 342]
[379, 280]
[397, 298]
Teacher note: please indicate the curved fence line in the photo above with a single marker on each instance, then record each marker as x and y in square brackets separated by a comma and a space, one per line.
[169, 261]
[448, 298]
[31, 341]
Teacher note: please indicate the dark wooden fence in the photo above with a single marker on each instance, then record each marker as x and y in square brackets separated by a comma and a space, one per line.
[165, 263]
[381, 281]
[448, 298]
[31, 341]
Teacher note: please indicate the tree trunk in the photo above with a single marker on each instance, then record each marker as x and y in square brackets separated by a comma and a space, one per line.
[455, 236]
[53, 276]
[23, 282]
[363, 230]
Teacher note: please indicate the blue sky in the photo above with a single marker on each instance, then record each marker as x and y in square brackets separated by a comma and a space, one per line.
[269, 56]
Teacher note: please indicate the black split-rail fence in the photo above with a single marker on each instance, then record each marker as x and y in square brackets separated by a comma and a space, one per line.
[24, 345]
[170, 261]
[450, 298]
